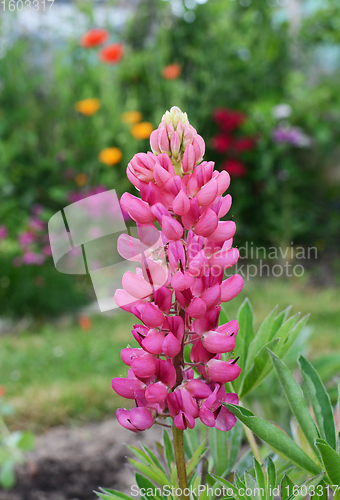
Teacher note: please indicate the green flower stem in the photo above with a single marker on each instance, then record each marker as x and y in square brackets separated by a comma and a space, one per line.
[180, 462]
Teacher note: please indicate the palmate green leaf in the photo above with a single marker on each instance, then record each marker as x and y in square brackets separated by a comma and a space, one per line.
[330, 460]
[287, 486]
[244, 337]
[253, 376]
[320, 401]
[275, 438]
[169, 453]
[218, 446]
[296, 401]
[301, 494]
[261, 338]
[151, 471]
[260, 478]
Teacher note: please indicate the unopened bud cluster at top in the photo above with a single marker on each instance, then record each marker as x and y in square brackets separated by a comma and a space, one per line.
[177, 290]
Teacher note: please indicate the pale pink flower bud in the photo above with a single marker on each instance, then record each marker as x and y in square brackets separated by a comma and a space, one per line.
[136, 420]
[144, 366]
[175, 144]
[181, 204]
[218, 342]
[231, 287]
[189, 159]
[155, 393]
[154, 142]
[224, 231]
[126, 387]
[207, 223]
[163, 141]
[172, 229]
[222, 371]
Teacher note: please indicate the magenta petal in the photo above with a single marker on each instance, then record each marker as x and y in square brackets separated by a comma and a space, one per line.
[207, 223]
[207, 194]
[222, 371]
[126, 387]
[152, 316]
[153, 341]
[198, 389]
[181, 281]
[145, 366]
[171, 228]
[225, 420]
[123, 417]
[171, 346]
[155, 393]
[181, 204]
[207, 417]
[197, 308]
[218, 342]
[141, 418]
[130, 352]
[166, 372]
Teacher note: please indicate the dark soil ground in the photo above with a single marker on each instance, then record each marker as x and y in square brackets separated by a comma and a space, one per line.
[69, 463]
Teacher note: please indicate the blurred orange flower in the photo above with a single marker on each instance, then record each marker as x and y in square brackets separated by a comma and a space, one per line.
[131, 117]
[94, 38]
[110, 156]
[85, 323]
[3, 390]
[172, 71]
[142, 130]
[111, 54]
[87, 107]
[81, 179]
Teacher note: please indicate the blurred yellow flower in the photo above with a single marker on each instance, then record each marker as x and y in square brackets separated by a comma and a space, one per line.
[110, 156]
[142, 130]
[81, 179]
[87, 107]
[131, 117]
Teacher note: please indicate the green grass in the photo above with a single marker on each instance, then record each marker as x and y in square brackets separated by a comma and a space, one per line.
[63, 375]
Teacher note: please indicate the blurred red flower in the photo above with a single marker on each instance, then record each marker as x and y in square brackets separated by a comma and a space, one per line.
[111, 54]
[228, 119]
[221, 143]
[94, 38]
[172, 71]
[2, 390]
[244, 144]
[234, 167]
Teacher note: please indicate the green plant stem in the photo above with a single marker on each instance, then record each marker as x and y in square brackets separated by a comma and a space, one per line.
[253, 444]
[180, 462]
